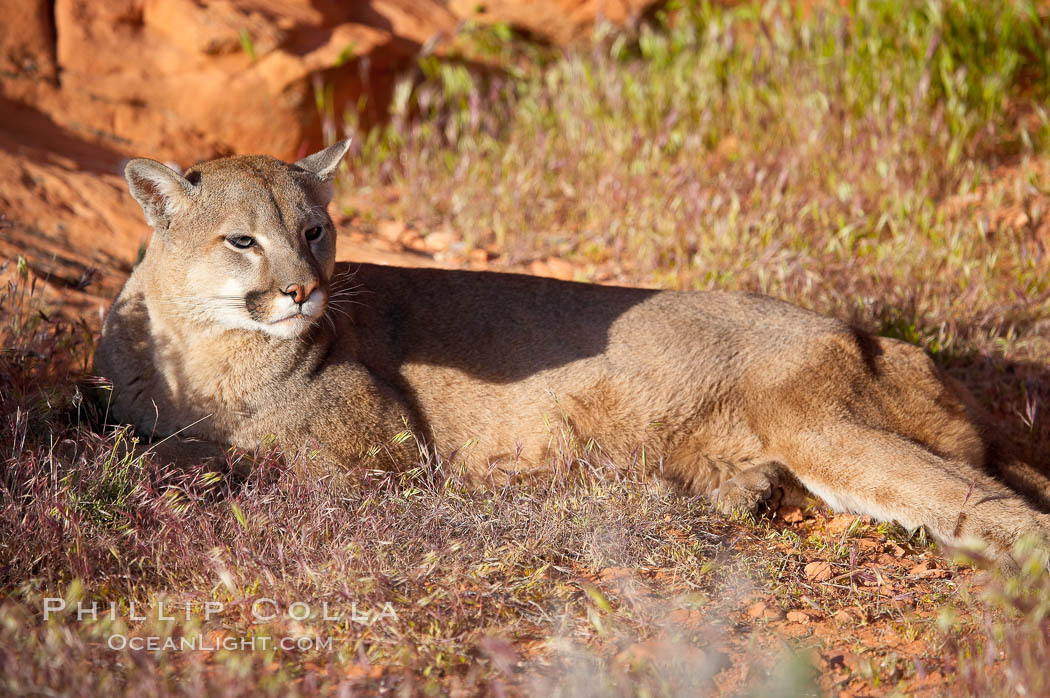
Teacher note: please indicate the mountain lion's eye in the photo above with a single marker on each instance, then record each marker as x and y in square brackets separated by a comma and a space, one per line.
[315, 233]
[241, 242]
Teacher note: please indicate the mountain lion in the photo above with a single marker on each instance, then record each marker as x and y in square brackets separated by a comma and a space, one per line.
[238, 325]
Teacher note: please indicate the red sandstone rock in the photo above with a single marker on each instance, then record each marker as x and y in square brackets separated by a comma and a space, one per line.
[27, 46]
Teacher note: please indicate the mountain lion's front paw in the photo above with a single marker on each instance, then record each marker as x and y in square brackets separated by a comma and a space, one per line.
[747, 493]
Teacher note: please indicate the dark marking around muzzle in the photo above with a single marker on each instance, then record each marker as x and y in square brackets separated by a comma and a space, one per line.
[254, 302]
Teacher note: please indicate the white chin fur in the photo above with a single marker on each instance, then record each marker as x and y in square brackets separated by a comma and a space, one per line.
[287, 329]
[289, 320]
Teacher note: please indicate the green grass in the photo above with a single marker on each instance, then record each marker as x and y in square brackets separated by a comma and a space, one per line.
[883, 162]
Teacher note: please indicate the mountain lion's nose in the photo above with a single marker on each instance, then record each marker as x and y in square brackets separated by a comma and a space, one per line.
[299, 292]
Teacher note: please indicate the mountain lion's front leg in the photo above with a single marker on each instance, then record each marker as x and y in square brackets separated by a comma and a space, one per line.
[180, 451]
[345, 414]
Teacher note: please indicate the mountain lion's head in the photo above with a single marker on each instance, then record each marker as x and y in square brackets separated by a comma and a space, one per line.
[244, 242]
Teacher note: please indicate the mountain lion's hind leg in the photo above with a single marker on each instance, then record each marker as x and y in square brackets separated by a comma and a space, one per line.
[766, 485]
[875, 472]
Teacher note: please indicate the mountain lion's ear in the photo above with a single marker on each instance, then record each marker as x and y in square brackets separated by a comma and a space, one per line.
[324, 163]
[160, 191]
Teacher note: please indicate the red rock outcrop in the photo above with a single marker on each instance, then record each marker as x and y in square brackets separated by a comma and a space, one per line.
[186, 80]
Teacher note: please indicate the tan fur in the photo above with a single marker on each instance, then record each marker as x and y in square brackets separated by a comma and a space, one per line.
[739, 396]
